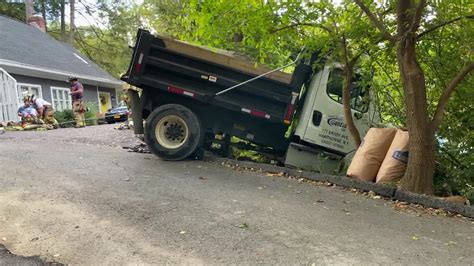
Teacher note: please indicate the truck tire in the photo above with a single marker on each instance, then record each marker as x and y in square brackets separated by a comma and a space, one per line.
[173, 132]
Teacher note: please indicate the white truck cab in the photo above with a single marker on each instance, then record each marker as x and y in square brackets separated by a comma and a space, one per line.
[321, 129]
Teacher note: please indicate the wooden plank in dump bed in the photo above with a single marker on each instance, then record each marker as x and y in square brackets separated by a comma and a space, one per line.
[224, 58]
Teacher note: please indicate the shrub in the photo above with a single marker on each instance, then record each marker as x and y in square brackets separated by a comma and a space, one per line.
[65, 118]
[90, 114]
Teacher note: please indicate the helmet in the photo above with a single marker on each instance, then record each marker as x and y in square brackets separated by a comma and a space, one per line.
[28, 98]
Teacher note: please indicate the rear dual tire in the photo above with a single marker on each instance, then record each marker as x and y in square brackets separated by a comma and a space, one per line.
[173, 132]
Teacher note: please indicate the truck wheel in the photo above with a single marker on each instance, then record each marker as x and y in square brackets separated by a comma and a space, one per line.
[173, 132]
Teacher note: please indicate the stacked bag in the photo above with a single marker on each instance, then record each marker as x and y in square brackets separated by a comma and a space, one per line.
[382, 157]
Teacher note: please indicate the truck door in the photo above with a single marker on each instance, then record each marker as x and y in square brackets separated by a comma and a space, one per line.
[324, 118]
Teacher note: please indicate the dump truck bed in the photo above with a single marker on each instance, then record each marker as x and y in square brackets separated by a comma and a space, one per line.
[196, 72]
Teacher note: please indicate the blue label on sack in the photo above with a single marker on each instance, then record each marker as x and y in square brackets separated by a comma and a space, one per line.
[401, 156]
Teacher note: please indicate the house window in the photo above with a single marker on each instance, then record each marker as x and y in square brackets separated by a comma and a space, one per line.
[61, 99]
[28, 89]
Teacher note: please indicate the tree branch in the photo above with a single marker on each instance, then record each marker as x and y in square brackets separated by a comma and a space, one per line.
[346, 93]
[443, 100]
[442, 25]
[415, 24]
[375, 21]
[301, 24]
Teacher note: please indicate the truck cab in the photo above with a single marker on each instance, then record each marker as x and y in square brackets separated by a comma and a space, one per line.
[321, 133]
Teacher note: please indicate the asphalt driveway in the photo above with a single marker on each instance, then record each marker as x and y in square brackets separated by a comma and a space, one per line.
[75, 196]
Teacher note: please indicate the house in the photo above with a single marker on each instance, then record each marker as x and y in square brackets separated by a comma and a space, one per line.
[32, 62]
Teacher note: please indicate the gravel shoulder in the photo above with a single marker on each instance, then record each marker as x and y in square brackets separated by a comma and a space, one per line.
[76, 197]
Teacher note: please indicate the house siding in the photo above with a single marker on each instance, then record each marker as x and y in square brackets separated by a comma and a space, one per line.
[90, 92]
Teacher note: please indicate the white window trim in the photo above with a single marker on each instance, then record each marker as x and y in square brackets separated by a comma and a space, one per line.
[18, 85]
[61, 89]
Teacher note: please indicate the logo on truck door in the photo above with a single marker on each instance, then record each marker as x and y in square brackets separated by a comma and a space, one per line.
[336, 122]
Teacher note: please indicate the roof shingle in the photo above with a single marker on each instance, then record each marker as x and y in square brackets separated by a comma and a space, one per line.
[22, 43]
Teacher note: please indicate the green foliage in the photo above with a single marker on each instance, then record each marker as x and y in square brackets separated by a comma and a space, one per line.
[13, 10]
[91, 114]
[65, 118]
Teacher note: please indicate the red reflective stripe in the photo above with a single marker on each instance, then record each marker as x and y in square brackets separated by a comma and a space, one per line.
[256, 113]
[180, 91]
[175, 90]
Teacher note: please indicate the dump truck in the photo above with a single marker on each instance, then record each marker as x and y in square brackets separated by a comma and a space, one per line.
[192, 96]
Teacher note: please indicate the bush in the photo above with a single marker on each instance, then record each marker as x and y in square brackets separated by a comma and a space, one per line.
[66, 117]
[90, 114]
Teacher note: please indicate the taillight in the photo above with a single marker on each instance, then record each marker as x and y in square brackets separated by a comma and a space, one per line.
[138, 65]
[290, 110]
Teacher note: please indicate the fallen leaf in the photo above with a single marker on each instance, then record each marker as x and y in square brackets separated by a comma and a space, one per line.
[346, 202]
[415, 237]
[56, 255]
[202, 177]
[320, 201]
[260, 187]
[127, 179]
[377, 197]
[182, 232]
[242, 225]
[451, 243]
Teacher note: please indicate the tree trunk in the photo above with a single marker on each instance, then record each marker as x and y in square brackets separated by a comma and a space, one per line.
[63, 20]
[72, 27]
[346, 96]
[43, 14]
[29, 9]
[421, 161]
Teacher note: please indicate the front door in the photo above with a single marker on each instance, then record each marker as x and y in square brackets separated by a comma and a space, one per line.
[105, 102]
[326, 127]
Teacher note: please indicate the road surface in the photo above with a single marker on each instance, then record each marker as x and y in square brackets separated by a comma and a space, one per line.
[75, 196]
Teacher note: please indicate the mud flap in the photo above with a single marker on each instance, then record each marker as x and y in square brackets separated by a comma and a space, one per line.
[137, 116]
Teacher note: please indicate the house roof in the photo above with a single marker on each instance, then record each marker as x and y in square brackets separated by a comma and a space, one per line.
[27, 51]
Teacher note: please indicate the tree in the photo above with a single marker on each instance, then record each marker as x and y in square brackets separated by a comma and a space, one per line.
[13, 10]
[72, 27]
[63, 19]
[42, 7]
[422, 128]
[29, 8]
